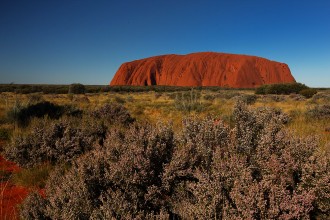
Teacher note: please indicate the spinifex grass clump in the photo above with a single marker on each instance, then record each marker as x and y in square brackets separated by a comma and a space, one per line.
[255, 170]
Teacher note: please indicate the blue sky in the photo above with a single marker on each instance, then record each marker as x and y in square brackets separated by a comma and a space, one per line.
[85, 41]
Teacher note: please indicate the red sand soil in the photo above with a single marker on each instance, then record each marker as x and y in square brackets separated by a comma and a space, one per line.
[10, 195]
[203, 69]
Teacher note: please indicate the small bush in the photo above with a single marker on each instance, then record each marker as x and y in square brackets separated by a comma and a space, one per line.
[248, 99]
[189, 101]
[308, 93]
[77, 88]
[319, 112]
[54, 142]
[113, 113]
[297, 97]
[321, 96]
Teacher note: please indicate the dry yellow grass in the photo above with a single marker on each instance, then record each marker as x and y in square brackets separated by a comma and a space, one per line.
[154, 107]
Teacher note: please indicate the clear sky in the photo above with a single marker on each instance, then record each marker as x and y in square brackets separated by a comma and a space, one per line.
[85, 41]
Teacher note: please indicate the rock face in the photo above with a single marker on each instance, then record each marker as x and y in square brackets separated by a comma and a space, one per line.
[203, 69]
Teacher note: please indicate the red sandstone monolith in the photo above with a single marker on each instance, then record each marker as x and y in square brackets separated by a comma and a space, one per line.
[203, 69]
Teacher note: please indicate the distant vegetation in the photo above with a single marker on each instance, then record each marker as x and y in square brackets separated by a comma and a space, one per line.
[78, 88]
[286, 89]
[48, 89]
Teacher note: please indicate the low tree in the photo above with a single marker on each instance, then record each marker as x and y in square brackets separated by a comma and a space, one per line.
[77, 88]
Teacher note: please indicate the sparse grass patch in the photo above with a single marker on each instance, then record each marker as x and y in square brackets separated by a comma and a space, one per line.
[35, 177]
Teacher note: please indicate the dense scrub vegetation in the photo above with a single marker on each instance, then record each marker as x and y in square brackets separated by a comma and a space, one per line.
[77, 88]
[286, 89]
[115, 155]
[208, 170]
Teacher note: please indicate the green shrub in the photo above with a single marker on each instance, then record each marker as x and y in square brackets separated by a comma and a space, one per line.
[308, 93]
[281, 88]
[261, 90]
[77, 88]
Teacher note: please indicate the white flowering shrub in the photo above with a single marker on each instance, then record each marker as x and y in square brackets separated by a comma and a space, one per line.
[54, 142]
[113, 113]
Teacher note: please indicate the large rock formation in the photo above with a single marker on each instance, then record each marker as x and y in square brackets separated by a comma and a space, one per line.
[203, 69]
